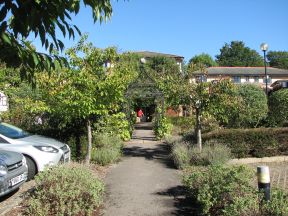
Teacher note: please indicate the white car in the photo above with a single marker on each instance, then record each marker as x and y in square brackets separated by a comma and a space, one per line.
[39, 151]
[13, 171]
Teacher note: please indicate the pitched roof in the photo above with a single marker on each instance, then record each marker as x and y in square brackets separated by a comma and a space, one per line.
[244, 71]
[149, 54]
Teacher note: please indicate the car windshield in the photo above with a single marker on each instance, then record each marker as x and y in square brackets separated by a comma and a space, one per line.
[12, 132]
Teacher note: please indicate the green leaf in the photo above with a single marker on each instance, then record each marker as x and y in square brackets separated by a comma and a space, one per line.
[35, 58]
[62, 28]
[61, 45]
[42, 35]
[46, 44]
[6, 38]
[77, 29]
[71, 33]
[51, 47]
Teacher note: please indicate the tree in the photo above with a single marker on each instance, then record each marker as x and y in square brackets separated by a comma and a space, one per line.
[237, 105]
[278, 59]
[88, 90]
[18, 19]
[253, 107]
[237, 54]
[278, 112]
[167, 76]
[224, 102]
[200, 61]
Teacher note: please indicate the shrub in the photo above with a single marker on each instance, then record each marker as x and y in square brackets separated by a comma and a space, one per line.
[218, 189]
[181, 154]
[253, 108]
[278, 204]
[184, 154]
[106, 149]
[104, 140]
[227, 190]
[182, 125]
[105, 156]
[278, 112]
[212, 153]
[162, 127]
[209, 123]
[115, 124]
[65, 190]
[258, 142]
[172, 140]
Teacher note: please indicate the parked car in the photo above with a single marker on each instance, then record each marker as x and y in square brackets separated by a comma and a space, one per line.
[13, 171]
[39, 151]
[279, 84]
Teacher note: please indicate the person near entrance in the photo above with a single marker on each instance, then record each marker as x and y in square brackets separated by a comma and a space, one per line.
[140, 114]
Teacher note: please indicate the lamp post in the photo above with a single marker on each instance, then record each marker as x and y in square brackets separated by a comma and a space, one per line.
[264, 48]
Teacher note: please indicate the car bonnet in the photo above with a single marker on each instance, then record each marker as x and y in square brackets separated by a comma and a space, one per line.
[42, 140]
[10, 158]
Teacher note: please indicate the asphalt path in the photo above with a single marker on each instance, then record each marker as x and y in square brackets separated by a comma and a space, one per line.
[145, 182]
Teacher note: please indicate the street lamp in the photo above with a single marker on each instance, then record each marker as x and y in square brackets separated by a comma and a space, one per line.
[264, 48]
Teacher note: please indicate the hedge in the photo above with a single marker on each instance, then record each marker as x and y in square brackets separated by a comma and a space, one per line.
[258, 142]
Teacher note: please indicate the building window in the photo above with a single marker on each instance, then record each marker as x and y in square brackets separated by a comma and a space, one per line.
[246, 78]
[201, 78]
[236, 79]
[256, 79]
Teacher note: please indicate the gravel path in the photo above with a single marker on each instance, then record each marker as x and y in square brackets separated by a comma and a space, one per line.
[145, 182]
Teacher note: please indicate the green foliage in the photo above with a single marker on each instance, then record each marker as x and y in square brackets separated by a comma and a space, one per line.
[237, 54]
[72, 142]
[165, 72]
[65, 190]
[181, 154]
[237, 105]
[89, 90]
[278, 59]
[218, 189]
[198, 62]
[253, 107]
[185, 154]
[162, 127]
[227, 190]
[67, 98]
[209, 123]
[18, 20]
[182, 125]
[115, 124]
[224, 102]
[278, 112]
[278, 205]
[107, 149]
[105, 156]
[204, 59]
[258, 142]
[212, 154]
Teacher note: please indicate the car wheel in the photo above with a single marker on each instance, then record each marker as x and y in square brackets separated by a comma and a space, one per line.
[31, 168]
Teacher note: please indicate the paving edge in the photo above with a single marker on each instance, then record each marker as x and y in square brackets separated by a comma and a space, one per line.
[259, 160]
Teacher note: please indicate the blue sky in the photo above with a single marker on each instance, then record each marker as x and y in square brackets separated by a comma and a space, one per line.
[188, 27]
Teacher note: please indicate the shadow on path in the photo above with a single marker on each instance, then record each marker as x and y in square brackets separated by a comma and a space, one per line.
[185, 205]
[158, 152]
[143, 126]
[146, 182]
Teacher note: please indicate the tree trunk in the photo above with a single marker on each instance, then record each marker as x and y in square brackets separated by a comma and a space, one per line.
[198, 129]
[89, 146]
